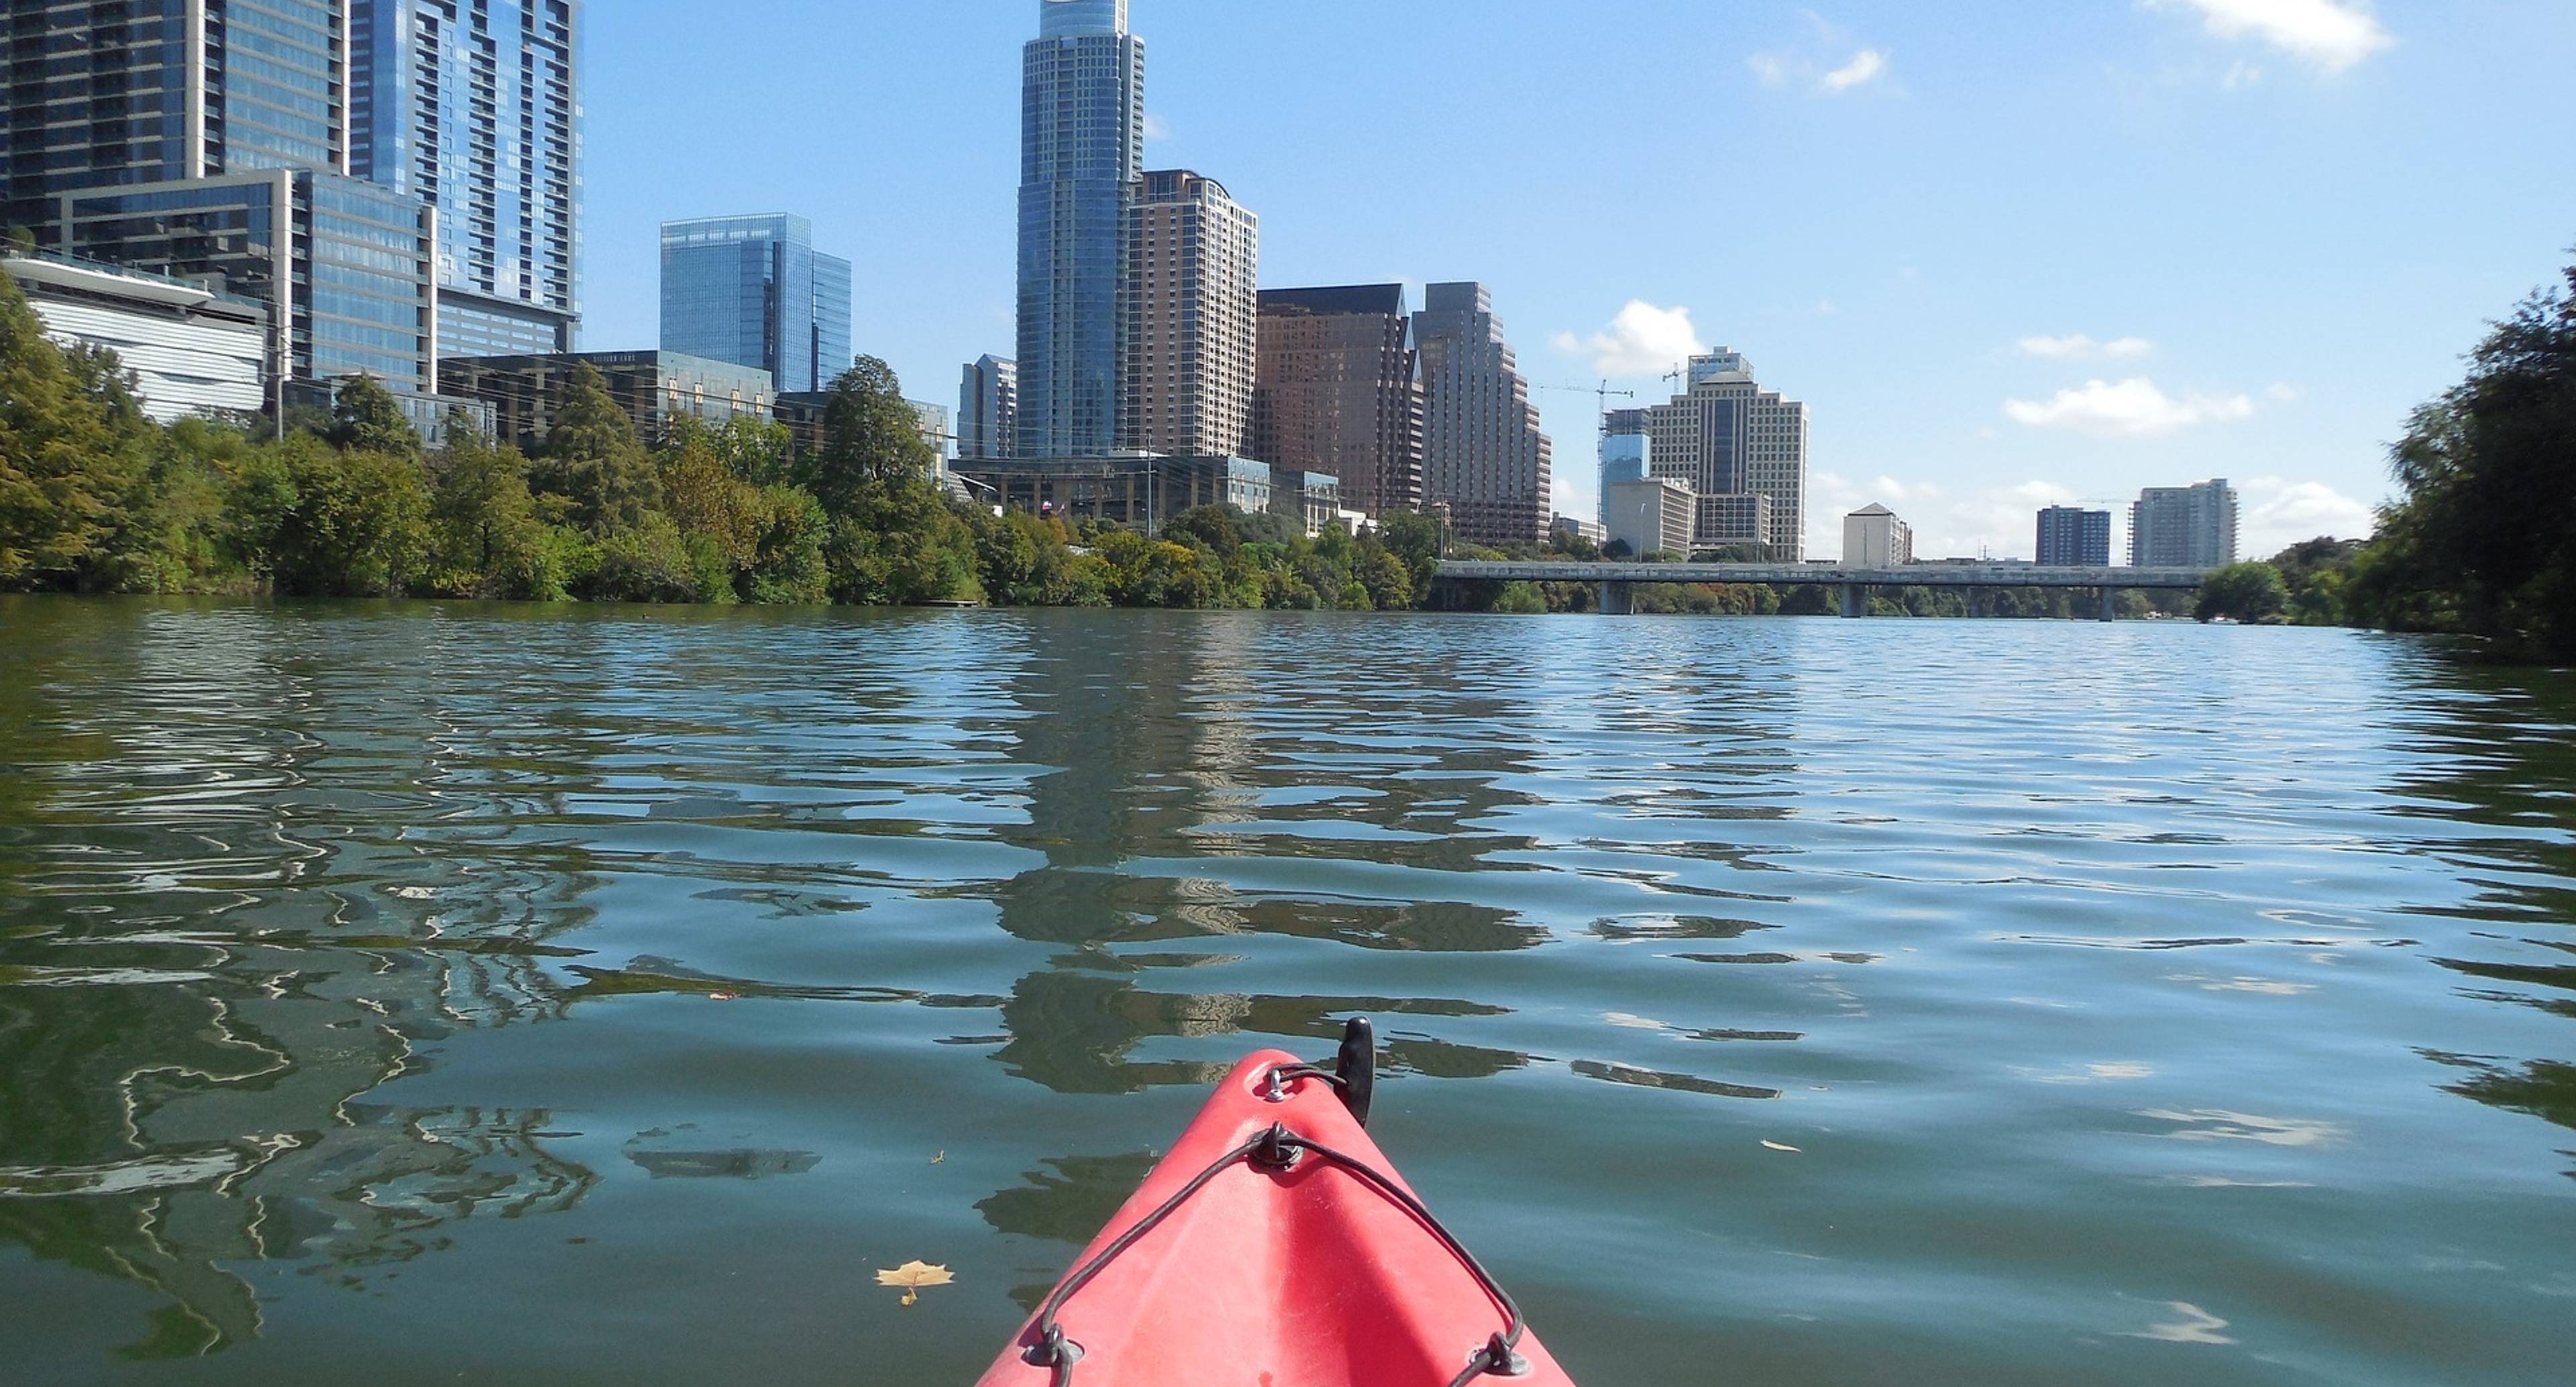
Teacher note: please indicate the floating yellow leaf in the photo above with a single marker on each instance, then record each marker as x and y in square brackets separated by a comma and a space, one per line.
[940, 1159]
[1775, 1146]
[912, 1276]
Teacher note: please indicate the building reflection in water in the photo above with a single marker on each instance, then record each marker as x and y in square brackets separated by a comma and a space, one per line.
[1140, 756]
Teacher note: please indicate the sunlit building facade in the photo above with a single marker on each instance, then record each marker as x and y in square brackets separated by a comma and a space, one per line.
[754, 291]
[474, 107]
[988, 408]
[1191, 318]
[1726, 435]
[1082, 154]
[1338, 390]
[1483, 454]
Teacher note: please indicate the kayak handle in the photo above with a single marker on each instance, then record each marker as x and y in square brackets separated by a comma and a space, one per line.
[1357, 1068]
[1353, 1075]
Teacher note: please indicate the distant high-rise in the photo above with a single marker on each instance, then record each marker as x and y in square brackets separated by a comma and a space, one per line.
[1482, 451]
[2074, 538]
[1190, 316]
[753, 291]
[1082, 153]
[2184, 527]
[1874, 538]
[474, 107]
[1727, 436]
[1339, 391]
[988, 409]
[116, 95]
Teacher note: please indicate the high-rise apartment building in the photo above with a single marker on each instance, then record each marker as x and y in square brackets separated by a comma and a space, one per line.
[1082, 152]
[754, 291]
[1339, 391]
[1190, 314]
[988, 409]
[2184, 526]
[1874, 538]
[2070, 537]
[1482, 451]
[473, 106]
[155, 91]
[1726, 435]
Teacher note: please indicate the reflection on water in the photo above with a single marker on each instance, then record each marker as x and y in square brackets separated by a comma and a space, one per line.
[2200, 993]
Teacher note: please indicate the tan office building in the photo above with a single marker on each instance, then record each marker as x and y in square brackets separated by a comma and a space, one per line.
[1190, 315]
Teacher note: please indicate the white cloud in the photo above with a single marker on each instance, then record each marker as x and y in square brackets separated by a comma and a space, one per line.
[2130, 409]
[1866, 67]
[2242, 76]
[2080, 346]
[2335, 35]
[1157, 128]
[1770, 69]
[1643, 340]
[2273, 514]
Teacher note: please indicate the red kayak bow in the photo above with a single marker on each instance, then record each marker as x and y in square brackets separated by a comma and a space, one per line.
[1276, 1247]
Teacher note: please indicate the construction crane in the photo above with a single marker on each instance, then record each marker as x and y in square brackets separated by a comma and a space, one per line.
[1603, 391]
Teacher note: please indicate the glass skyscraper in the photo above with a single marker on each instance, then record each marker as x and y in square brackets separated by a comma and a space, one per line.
[1082, 152]
[753, 291]
[153, 91]
[472, 106]
[344, 265]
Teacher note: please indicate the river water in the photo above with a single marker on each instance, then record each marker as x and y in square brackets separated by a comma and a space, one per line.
[412, 994]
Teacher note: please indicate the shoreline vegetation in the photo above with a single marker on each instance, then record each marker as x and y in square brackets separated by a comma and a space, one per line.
[96, 498]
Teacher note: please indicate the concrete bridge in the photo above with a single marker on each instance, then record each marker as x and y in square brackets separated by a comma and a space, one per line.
[1618, 581]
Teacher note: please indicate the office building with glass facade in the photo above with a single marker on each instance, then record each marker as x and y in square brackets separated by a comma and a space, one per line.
[1483, 454]
[988, 408]
[155, 91]
[473, 106]
[1082, 153]
[656, 389]
[1726, 435]
[2073, 538]
[1338, 390]
[1190, 312]
[754, 291]
[344, 267]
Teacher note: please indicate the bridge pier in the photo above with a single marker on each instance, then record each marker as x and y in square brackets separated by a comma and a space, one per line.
[2110, 604]
[1855, 600]
[1618, 599]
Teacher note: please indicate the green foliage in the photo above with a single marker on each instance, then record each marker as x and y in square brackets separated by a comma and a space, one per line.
[2480, 544]
[67, 460]
[871, 436]
[649, 562]
[1707, 599]
[365, 419]
[485, 538]
[352, 524]
[2247, 592]
[2318, 574]
[900, 542]
[595, 462]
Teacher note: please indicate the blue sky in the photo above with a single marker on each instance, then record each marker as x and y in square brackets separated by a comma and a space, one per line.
[2008, 253]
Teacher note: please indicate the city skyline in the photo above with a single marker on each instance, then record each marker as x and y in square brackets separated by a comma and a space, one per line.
[1973, 305]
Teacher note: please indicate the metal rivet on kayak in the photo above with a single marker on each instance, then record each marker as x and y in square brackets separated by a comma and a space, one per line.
[1278, 1151]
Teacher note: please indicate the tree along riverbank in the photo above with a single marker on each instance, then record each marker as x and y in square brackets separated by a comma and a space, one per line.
[96, 498]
